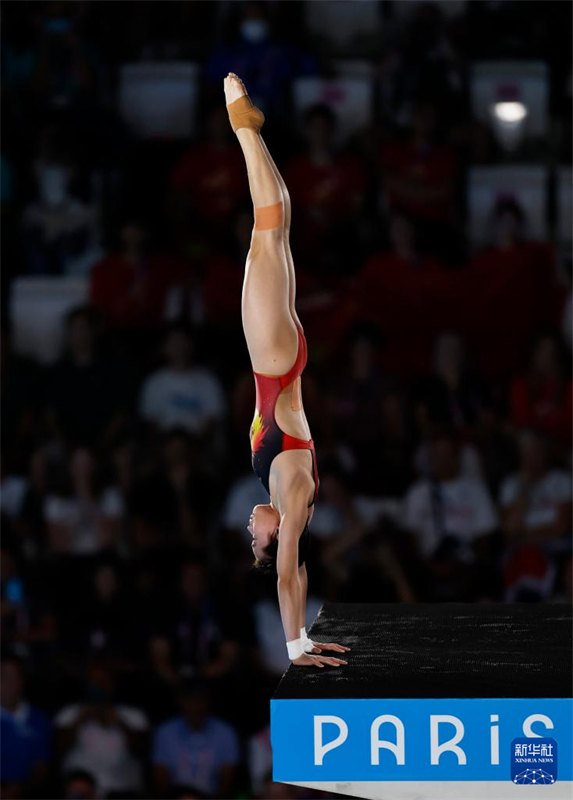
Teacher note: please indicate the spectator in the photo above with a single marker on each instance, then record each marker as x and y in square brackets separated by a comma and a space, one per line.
[378, 576]
[327, 190]
[226, 268]
[103, 737]
[79, 784]
[403, 256]
[260, 760]
[542, 398]
[176, 497]
[13, 489]
[510, 247]
[219, 261]
[424, 63]
[197, 627]
[358, 395]
[83, 517]
[86, 395]
[270, 64]
[65, 69]
[153, 687]
[452, 394]
[130, 285]
[367, 394]
[394, 472]
[519, 270]
[22, 396]
[337, 527]
[27, 618]
[529, 574]
[182, 394]
[419, 173]
[196, 748]
[25, 735]
[61, 228]
[14, 615]
[452, 518]
[536, 500]
[19, 54]
[209, 181]
[29, 521]
[107, 622]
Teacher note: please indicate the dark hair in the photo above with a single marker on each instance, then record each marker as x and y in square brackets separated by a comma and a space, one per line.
[509, 205]
[269, 563]
[320, 110]
[87, 312]
[80, 775]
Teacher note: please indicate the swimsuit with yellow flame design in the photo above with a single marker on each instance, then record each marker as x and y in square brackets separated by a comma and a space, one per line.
[267, 439]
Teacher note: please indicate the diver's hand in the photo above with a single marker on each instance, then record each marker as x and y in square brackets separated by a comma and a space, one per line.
[308, 660]
[318, 647]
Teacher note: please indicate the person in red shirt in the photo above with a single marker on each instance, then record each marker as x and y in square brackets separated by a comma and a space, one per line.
[224, 266]
[418, 172]
[130, 286]
[515, 278]
[208, 183]
[388, 288]
[542, 398]
[327, 187]
[402, 257]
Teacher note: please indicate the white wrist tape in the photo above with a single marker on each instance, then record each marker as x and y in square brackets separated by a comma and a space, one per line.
[295, 648]
[307, 645]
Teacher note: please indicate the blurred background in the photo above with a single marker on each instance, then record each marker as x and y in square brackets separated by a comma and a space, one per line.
[426, 147]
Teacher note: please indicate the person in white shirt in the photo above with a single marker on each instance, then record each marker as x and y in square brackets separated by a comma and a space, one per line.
[536, 500]
[83, 518]
[180, 394]
[451, 517]
[103, 737]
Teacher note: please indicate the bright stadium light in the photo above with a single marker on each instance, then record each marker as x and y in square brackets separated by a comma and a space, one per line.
[508, 116]
[511, 112]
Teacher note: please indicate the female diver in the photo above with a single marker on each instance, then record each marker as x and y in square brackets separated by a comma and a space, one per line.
[283, 453]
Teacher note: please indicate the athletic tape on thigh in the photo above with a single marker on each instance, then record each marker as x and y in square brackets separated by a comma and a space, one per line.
[268, 217]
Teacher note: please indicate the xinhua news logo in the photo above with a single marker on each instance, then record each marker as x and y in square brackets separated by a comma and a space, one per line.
[534, 761]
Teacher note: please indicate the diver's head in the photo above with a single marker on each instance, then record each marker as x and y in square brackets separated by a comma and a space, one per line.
[264, 528]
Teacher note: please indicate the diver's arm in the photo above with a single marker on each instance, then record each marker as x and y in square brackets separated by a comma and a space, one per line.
[290, 589]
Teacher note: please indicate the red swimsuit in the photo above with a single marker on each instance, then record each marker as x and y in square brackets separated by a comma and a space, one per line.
[267, 439]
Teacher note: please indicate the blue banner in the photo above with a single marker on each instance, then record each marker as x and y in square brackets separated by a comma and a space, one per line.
[414, 739]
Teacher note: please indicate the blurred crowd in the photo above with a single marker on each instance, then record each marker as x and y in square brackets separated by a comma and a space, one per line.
[140, 648]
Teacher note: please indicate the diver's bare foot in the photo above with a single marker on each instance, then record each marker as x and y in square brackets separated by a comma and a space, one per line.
[234, 88]
[242, 112]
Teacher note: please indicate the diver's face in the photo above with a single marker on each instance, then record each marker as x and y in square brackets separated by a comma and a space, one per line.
[263, 527]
